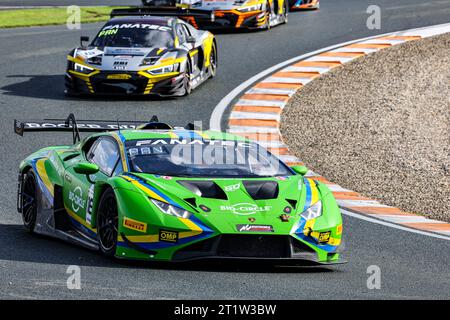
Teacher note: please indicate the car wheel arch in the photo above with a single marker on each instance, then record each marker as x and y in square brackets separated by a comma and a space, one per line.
[100, 189]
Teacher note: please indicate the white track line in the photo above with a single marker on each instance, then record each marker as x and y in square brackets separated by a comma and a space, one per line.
[393, 225]
[264, 103]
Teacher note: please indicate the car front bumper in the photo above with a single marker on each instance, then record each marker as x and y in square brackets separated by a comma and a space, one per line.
[230, 19]
[279, 249]
[121, 83]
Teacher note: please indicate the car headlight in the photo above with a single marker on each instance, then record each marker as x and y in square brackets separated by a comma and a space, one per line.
[313, 212]
[82, 68]
[255, 7]
[97, 60]
[171, 210]
[165, 69]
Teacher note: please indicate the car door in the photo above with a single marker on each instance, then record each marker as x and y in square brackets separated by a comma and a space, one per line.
[193, 52]
[79, 188]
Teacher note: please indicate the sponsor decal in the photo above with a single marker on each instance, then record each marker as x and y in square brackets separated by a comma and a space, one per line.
[76, 198]
[120, 64]
[147, 151]
[307, 232]
[89, 53]
[44, 125]
[115, 27]
[339, 229]
[168, 236]
[252, 219]
[119, 76]
[254, 228]
[204, 208]
[134, 225]
[107, 32]
[232, 187]
[193, 141]
[90, 203]
[245, 208]
[324, 236]
[285, 217]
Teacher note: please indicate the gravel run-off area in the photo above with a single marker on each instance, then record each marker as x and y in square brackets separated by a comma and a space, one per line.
[380, 126]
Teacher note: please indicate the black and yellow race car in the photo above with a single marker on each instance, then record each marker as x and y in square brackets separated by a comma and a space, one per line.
[136, 54]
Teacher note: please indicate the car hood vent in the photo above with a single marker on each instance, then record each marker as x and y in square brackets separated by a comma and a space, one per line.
[261, 190]
[204, 189]
[191, 201]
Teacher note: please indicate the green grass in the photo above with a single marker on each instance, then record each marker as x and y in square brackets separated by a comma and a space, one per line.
[49, 16]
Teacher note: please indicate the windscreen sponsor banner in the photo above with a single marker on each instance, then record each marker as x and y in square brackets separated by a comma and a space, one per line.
[188, 141]
[146, 26]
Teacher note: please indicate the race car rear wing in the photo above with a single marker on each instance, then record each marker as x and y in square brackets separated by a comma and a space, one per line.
[163, 11]
[70, 124]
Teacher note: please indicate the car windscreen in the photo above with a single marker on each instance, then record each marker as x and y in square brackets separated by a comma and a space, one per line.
[134, 35]
[203, 158]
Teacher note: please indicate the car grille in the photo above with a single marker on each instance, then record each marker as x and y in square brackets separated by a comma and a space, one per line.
[259, 246]
[299, 247]
[246, 246]
[226, 20]
[134, 85]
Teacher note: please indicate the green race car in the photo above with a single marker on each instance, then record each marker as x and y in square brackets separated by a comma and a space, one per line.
[152, 192]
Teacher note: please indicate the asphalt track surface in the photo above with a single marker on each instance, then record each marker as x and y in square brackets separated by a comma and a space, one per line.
[32, 62]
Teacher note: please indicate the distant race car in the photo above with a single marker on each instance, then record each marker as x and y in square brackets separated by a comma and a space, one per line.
[304, 4]
[142, 55]
[174, 194]
[238, 14]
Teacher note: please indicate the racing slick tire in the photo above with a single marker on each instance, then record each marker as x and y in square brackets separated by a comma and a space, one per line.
[107, 223]
[286, 11]
[213, 60]
[29, 198]
[269, 15]
[187, 80]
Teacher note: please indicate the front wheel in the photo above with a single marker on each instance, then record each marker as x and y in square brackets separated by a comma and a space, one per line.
[187, 80]
[268, 15]
[107, 223]
[29, 201]
[213, 61]
[286, 11]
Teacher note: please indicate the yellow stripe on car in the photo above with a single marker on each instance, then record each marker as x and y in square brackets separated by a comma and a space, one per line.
[146, 190]
[79, 219]
[42, 172]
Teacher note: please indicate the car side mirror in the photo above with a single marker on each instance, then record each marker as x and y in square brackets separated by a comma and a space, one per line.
[83, 39]
[191, 40]
[86, 168]
[302, 170]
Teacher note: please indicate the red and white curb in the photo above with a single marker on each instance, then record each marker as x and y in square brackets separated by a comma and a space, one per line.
[256, 107]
